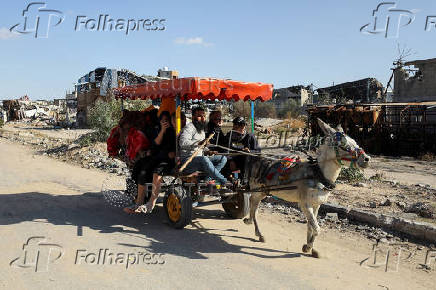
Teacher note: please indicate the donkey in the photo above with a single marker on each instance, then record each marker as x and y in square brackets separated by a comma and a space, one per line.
[307, 183]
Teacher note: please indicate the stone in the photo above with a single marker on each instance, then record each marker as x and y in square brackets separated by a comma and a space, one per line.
[409, 215]
[384, 240]
[73, 146]
[332, 216]
[361, 228]
[402, 205]
[422, 209]
[372, 204]
[361, 184]
[386, 202]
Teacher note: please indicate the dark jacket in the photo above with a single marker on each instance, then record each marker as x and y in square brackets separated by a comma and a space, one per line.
[239, 142]
[218, 139]
[167, 145]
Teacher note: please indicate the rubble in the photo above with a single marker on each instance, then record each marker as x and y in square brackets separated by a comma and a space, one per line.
[425, 210]
[66, 149]
[386, 202]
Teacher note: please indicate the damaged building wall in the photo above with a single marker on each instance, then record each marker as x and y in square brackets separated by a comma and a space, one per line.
[391, 129]
[415, 81]
[300, 94]
[368, 90]
[98, 85]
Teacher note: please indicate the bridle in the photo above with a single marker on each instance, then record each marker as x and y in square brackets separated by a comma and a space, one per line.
[340, 142]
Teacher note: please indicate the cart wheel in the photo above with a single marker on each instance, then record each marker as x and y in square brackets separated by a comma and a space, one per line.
[238, 206]
[178, 207]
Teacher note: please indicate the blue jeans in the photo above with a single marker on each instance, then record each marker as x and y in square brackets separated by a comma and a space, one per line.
[211, 165]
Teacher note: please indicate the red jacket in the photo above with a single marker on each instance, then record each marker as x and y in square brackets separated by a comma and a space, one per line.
[113, 142]
[136, 142]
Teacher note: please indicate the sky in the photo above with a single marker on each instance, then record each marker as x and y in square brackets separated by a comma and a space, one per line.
[280, 42]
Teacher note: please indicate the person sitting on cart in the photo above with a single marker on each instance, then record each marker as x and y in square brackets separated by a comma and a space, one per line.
[239, 139]
[214, 126]
[138, 156]
[191, 138]
[163, 155]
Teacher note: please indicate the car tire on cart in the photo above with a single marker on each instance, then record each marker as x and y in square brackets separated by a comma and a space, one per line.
[178, 207]
[238, 206]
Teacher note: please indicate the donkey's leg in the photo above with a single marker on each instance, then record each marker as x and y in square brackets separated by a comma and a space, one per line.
[312, 227]
[315, 253]
[255, 200]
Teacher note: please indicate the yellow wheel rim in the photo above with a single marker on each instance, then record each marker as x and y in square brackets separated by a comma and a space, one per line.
[174, 208]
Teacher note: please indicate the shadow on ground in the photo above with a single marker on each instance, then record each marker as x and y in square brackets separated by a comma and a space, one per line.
[90, 210]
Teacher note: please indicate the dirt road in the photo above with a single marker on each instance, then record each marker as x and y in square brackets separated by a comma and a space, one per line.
[80, 235]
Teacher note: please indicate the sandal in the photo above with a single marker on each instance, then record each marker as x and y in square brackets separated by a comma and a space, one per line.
[142, 209]
[131, 208]
[149, 207]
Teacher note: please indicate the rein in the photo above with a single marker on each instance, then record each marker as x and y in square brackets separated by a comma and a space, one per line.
[354, 156]
[247, 153]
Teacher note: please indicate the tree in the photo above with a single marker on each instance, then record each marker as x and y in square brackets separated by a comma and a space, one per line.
[265, 110]
[290, 109]
[242, 109]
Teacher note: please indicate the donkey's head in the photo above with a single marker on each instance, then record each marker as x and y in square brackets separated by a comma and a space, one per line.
[343, 147]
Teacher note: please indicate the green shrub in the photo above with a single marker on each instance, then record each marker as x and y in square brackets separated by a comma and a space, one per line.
[103, 116]
[351, 175]
[1, 123]
[91, 138]
[137, 105]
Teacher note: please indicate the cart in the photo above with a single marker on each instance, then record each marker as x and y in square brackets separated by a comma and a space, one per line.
[184, 192]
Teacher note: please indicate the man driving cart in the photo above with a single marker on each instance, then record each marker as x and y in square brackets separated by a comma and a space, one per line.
[192, 138]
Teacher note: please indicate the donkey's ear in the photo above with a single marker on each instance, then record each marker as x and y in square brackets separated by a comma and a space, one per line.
[325, 128]
[339, 128]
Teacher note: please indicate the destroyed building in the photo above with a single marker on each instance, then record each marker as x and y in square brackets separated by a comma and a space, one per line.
[388, 128]
[166, 73]
[98, 85]
[12, 110]
[300, 94]
[368, 90]
[415, 81]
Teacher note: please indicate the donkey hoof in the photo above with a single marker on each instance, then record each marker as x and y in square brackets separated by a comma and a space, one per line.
[262, 239]
[315, 254]
[248, 221]
[305, 249]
